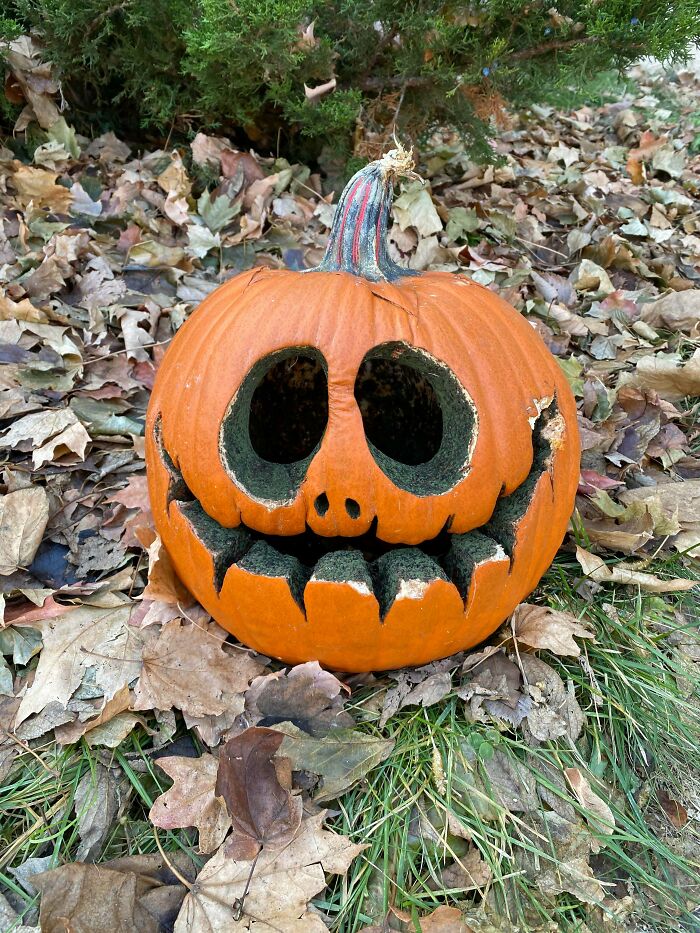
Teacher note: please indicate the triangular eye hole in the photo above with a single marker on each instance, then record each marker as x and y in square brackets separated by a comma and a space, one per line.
[419, 420]
[275, 424]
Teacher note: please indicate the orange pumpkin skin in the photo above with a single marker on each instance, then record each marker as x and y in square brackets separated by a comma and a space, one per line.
[510, 383]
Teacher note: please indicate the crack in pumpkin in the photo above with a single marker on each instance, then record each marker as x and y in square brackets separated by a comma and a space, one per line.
[365, 563]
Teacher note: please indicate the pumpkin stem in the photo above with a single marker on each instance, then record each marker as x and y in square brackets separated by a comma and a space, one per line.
[357, 243]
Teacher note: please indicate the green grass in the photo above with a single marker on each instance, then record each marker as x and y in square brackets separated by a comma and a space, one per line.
[640, 699]
[641, 734]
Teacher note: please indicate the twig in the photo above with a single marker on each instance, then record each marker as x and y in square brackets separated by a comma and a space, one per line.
[238, 903]
[173, 869]
[98, 20]
[30, 751]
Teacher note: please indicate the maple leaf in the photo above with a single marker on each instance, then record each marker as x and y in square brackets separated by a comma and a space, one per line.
[192, 800]
[262, 811]
[95, 635]
[280, 889]
[187, 666]
[307, 696]
[542, 627]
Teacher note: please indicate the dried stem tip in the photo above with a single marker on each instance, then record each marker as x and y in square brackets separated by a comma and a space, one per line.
[357, 242]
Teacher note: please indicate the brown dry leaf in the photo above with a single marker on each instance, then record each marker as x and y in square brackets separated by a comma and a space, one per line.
[567, 869]
[678, 508]
[70, 732]
[192, 800]
[91, 899]
[596, 569]
[593, 805]
[541, 627]
[164, 585]
[35, 80]
[263, 813]
[467, 873]
[429, 691]
[50, 434]
[135, 496]
[283, 883]
[667, 374]
[445, 920]
[23, 517]
[675, 311]
[95, 635]
[40, 187]
[137, 893]
[341, 758]
[556, 712]
[676, 812]
[495, 685]
[22, 310]
[307, 696]
[187, 666]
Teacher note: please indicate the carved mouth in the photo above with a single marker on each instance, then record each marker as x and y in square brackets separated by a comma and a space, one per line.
[364, 562]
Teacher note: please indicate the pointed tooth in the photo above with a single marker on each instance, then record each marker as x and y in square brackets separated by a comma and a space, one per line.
[466, 552]
[344, 567]
[404, 573]
[226, 545]
[265, 561]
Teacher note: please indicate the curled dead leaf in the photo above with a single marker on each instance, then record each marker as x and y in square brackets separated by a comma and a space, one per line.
[596, 569]
[541, 627]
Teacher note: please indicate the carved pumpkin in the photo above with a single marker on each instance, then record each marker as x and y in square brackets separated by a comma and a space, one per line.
[358, 464]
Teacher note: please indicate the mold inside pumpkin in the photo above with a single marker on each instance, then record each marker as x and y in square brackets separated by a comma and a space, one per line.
[358, 464]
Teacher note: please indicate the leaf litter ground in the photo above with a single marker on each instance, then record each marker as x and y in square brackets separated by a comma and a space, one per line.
[158, 776]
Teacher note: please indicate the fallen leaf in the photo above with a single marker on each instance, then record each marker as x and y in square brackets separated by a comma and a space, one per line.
[429, 691]
[596, 569]
[137, 893]
[556, 712]
[590, 277]
[23, 517]
[192, 800]
[50, 434]
[95, 635]
[567, 869]
[541, 627]
[495, 685]
[341, 758]
[284, 881]
[187, 666]
[164, 585]
[71, 732]
[40, 187]
[467, 873]
[445, 920]
[675, 311]
[676, 503]
[95, 803]
[307, 696]
[596, 810]
[676, 812]
[263, 813]
[415, 208]
[667, 374]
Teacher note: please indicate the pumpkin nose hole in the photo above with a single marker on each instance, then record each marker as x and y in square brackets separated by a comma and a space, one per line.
[321, 504]
[352, 508]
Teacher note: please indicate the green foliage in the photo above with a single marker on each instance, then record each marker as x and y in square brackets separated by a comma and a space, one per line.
[241, 67]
